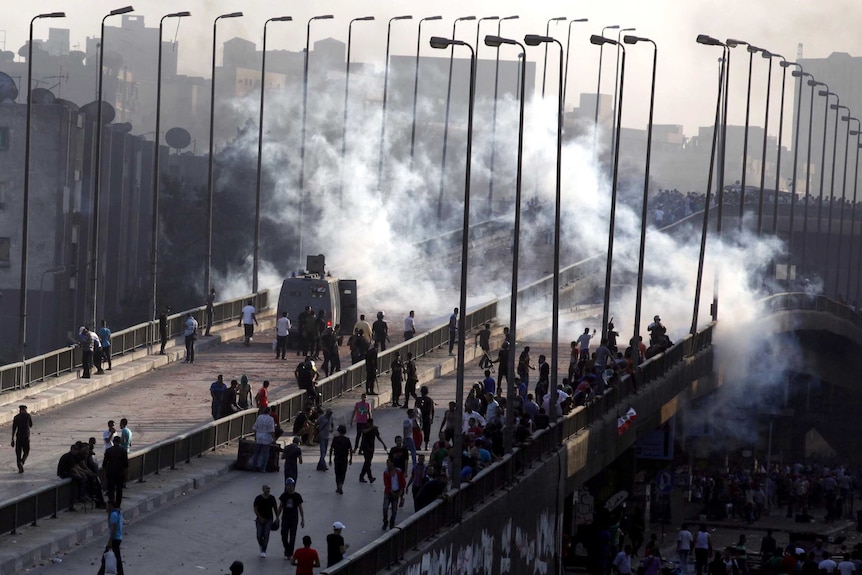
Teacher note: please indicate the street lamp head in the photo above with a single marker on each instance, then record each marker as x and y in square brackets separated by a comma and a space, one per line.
[848, 118]
[596, 39]
[496, 41]
[753, 49]
[535, 39]
[513, 17]
[838, 107]
[183, 14]
[465, 18]
[628, 39]
[368, 19]
[440, 43]
[282, 19]
[429, 18]
[52, 15]
[812, 82]
[558, 19]
[707, 40]
[613, 27]
[766, 54]
[231, 15]
[489, 18]
[118, 11]
[826, 93]
[580, 20]
[405, 17]
[628, 30]
[734, 43]
[323, 17]
[787, 63]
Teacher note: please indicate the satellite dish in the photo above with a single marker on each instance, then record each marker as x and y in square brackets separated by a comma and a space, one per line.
[91, 110]
[7, 56]
[178, 138]
[76, 57]
[8, 89]
[42, 96]
[123, 128]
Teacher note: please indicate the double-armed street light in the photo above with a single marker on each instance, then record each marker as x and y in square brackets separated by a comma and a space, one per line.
[210, 168]
[416, 85]
[547, 35]
[599, 81]
[256, 258]
[568, 47]
[614, 134]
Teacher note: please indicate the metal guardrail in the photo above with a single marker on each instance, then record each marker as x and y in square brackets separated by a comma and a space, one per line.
[797, 301]
[68, 359]
[392, 546]
[48, 501]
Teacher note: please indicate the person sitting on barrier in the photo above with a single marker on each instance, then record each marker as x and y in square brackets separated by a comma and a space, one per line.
[306, 376]
[73, 465]
[303, 426]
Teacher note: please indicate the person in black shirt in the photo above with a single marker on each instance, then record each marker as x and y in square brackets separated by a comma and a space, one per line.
[371, 369]
[116, 464]
[163, 329]
[426, 409]
[397, 378]
[335, 545]
[370, 436]
[380, 331]
[265, 511]
[21, 425]
[398, 454]
[292, 514]
[343, 450]
[432, 490]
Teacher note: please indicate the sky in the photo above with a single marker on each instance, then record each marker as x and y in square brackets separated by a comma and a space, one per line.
[686, 70]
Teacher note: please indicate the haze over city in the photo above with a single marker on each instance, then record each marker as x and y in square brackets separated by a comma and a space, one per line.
[686, 71]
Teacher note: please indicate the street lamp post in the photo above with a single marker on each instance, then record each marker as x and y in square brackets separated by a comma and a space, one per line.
[752, 50]
[22, 325]
[385, 97]
[446, 118]
[800, 73]
[508, 443]
[642, 251]
[769, 56]
[826, 94]
[599, 81]
[533, 40]
[97, 176]
[599, 40]
[494, 114]
[724, 68]
[784, 65]
[616, 84]
[568, 46]
[256, 265]
[847, 119]
[302, 129]
[837, 108]
[346, 101]
[54, 270]
[442, 44]
[210, 176]
[814, 84]
[858, 144]
[547, 35]
[415, 86]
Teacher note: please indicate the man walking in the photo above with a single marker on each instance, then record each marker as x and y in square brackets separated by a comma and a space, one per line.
[343, 451]
[393, 494]
[453, 330]
[264, 428]
[483, 340]
[410, 325]
[361, 414]
[247, 321]
[335, 545]
[115, 537]
[291, 513]
[21, 425]
[163, 329]
[305, 559]
[325, 425]
[265, 511]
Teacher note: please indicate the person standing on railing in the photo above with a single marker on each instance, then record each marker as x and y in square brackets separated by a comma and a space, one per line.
[105, 337]
[210, 303]
[21, 425]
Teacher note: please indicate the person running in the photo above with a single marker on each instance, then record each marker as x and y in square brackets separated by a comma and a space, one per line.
[361, 414]
[370, 436]
[343, 451]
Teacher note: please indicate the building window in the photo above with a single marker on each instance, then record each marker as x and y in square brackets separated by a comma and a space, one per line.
[4, 138]
[5, 248]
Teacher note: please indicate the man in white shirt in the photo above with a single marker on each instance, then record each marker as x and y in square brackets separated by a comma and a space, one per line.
[409, 326]
[584, 343]
[248, 321]
[846, 567]
[264, 428]
[828, 565]
[470, 414]
[108, 435]
[282, 328]
[684, 544]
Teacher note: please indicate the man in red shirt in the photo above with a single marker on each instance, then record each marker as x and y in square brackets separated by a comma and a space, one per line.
[305, 559]
[393, 492]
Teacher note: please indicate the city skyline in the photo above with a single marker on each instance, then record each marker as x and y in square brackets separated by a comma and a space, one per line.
[776, 26]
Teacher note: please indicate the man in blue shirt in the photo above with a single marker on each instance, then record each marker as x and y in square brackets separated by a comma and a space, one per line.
[105, 336]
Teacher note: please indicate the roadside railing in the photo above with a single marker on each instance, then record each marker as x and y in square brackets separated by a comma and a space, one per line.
[796, 301]
[29, 508]
[68, 359]
[392, 546]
